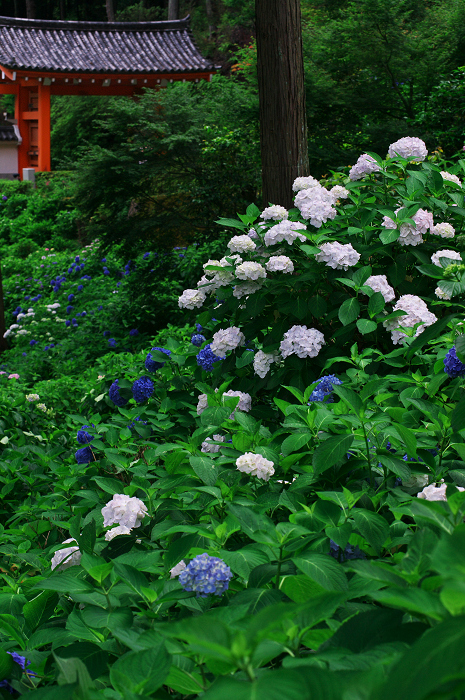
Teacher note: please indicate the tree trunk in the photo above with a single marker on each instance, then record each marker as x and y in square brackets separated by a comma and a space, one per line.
[16, 6]
[110, 10]
[31, 9]
[173, 9]
[210, 17]
[283, 123]
[62, 10]
[3, 341]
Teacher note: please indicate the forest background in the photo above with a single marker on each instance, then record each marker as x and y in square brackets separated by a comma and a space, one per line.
[375, 70]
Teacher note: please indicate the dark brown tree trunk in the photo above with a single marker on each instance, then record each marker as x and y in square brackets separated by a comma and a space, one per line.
[110, 10]
[3, 341]
[283, 122]
[62, 10]
[173, 9]
[31, 9]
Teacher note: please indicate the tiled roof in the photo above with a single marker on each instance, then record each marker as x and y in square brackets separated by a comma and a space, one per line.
[100, 47]
[7, 131]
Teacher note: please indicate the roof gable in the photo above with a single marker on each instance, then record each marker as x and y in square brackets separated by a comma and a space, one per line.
[100, 47]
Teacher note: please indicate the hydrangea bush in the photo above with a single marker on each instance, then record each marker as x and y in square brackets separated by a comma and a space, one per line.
[272, 506]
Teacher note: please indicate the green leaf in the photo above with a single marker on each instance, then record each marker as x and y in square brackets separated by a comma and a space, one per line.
[376, 304]
[87, 539]
[323, 569]
[372, 527]
[205, 468]
[365, 326]
[300, 588]
[73, 671]
[40, 609]
[350, 398]
[295, 442]
[245, 359]
[430, 333]
[138, 671]
[433, 660]
[389, 236]
[361, 275]
[415, 601]
[408, 438]
[94, 658]
[331, 451]
[215, 416]
[6, 665]
[108, 485]
[271, 685]
[231, 223]
[121, 618]
[460, 347]
[349, 311]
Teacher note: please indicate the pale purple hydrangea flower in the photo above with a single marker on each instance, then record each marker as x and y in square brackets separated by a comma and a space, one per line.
[191, 299]
[275, 213]
[441, 294]
[250, 271]
[280, 263]
[444, 230]
[436, 493]
[245, 401]
[241, 244]
[365, 165]
[302, 341]
[411, 234]
[125, 511]
[226, 340]
[450, 254]
[64, 558]
[337, 255]
[410, 148]
[115, 531]
[304, 183]
[176, 570]
[379, 283]
[208, 446]
[417, 313]
[285, 231]
[262, 362]
[246, 288]
[451, 178]
[316, 205]
[255, 465]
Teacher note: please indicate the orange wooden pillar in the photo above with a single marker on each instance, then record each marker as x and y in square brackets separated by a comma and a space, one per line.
[44, 128]
[21, 107]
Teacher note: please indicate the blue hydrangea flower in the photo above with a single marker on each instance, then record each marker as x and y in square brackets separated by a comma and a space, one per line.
[145, 256]
[115, 396]
[142, 389]
[206, 575]
[83, 437]
[69, 309]
[84, 455]
[350, 552]
[139, 420]
[80, 287]
[197, 339]
[452, 365]
[33, 342]
[207, 357]
[324, 388]
[83, 313]
[67, 323]
[198, 327]
[134, 331]
[152, 365]
[103, 260]
[70, 297]
[5, 198]
[112, 342]
[106, 334]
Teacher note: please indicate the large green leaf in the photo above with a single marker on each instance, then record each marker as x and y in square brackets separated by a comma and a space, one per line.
[436, 658]
[415, 601]
[295, 442]
[270, 685]
[139, 671]
[205, 468]
[349, 311]
[323, 569]
[372, 527]
[331, 451]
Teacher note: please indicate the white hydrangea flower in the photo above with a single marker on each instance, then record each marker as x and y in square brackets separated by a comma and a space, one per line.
[444, 230]
[262, 362]
[241, 244]
[338, 192]
[365, 165]
[191, 299]
[337, 255]
[115, 531]
[32, 397]
[245, 401]
[285, 231]
[417, 312]
[208, 446]
[379, 283]
[202, 402]
[280, 263]
[250, 271]
[316, 204]
[441, 294]
[176, 570]
[123, 510]
[411, 234]
[227, 339]
[451, 254]
[410, 148]
[245, 289]
[302, 341]
[64, 558]
[436, 493]
[451, 178]
[304, 183]
[275, 213]
[253, 234]
[256, 465]
[220, 278]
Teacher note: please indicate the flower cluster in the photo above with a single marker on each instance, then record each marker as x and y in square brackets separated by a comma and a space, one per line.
[64, 558]
[337, 255]
[84, 455]
[451, 178]
[275, 213]
[450, 254]
[125, 512]
[256, 465]
[191, 299]
[226, 340]
[176, 570]
[365, 165]
[412, 234]
[206, 358]
[241, 244]
[83, 437]
[416, 313]
[262, 362]
[115, 396]
[250, 271]
[410, 148]
[302, 341]
[324, 389]
[245, 401]
[205, 575]
[280, 263]
[436, 493]
[208, 446]
[285, 231]
[316, 205]
[142, 389]
[379, 283]
[444, 230]
[452, 365]
[197, 339]
[152, 365]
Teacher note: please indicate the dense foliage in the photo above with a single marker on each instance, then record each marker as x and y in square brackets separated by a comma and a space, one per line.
[285, 492]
